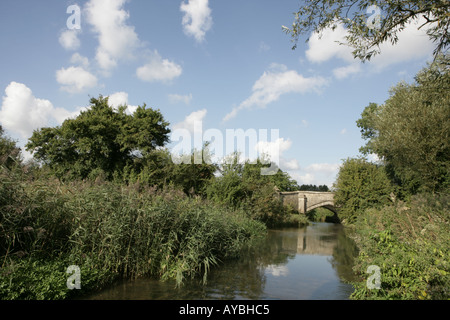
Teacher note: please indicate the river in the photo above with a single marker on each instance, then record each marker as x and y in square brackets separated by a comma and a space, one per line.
[308, 263]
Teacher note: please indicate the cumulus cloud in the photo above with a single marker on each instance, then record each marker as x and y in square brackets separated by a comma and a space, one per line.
[273, 149]
[344, 72]
[197, 18]
[117, 39]
[317, 173]
[21, 112]
[69, 39]
[325, 46]
[274, 83]
[75, 79]
[413, 44]
[79, 60]
[119, 99]
[158, 69]
[192, 122]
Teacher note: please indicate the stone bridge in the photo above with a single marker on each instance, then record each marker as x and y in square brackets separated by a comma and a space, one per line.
[304, 201]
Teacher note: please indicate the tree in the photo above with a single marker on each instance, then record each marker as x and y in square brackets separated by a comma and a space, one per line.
[360, 185]
[410, 131]
[366, 37]
[100, 141]
[310, 187]
[9, 152]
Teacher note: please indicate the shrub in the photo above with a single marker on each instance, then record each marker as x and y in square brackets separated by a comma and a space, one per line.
[360, 185]
[410, 244]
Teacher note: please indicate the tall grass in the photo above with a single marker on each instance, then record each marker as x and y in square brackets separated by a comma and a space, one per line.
[110, 231]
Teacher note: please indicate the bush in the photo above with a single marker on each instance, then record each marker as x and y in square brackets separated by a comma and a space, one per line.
[410, 244]
[360, 185]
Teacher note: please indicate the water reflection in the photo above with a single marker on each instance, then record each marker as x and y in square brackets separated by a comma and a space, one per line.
[301, 263]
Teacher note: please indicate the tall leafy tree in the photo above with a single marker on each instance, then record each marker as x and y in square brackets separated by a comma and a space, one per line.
[366, 36]
[360, 185]
[101, 140]
[411, 130]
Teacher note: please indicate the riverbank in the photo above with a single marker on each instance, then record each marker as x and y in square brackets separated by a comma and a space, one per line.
[408, 246]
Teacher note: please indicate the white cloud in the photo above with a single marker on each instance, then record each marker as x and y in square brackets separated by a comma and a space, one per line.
[158, 69]
[412, 44]
[344, 72]
[325, 168]
[197, 18]
[75, 79]
[306, 178]
[121, 98]
[374, 158]
[288, 165]
[273, 149]
[69, 39]
[117, 40]
[317, 173]
[325, 46]
[274, 83]
[344, 131]
[21, 112]
[193, 122]
[175, 98]
[79, 60]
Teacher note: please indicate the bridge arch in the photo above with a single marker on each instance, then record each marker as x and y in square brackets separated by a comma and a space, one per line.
[326, 204]
[305, 201]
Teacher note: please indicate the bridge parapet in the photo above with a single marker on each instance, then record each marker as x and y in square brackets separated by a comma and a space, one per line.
[304, 201]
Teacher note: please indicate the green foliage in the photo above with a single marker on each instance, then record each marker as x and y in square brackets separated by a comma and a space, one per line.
[157, 169]
[410, 132]
[9, 153]
[241, 185]
[109, 231]
[100, 141]
[322, 215]
[310, 187]
[33, 279]
[360, 185]
[364, 37]
[410, 244]
[32, 216]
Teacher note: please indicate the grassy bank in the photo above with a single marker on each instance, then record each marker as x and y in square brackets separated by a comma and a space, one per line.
[109, 231]
[410, 244]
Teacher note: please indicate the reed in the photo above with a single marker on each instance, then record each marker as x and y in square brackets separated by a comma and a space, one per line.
[111, 231]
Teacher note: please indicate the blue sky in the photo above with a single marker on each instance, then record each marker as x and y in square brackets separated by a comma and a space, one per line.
[224, 64]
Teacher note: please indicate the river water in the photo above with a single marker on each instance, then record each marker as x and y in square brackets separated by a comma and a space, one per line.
[308, 263]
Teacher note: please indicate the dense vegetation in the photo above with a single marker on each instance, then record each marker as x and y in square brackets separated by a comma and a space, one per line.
[103, 194]
[399, 207]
